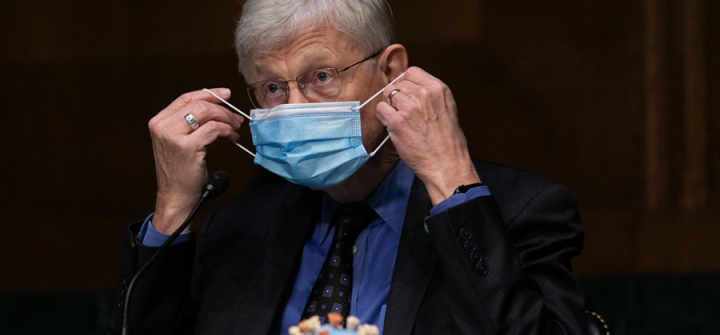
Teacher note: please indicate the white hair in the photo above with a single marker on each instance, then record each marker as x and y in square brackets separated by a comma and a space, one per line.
[268, 25]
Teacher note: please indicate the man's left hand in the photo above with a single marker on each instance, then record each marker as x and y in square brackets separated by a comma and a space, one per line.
[423, 125]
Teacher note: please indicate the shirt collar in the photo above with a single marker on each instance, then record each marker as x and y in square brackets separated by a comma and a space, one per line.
[389, 200]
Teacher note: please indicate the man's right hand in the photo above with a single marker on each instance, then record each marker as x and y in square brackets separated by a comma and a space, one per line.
[180, 152]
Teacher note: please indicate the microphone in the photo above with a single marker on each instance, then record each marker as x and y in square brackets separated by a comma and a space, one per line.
[214, 186]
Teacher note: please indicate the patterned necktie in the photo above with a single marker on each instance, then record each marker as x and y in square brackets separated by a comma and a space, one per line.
[333, 287]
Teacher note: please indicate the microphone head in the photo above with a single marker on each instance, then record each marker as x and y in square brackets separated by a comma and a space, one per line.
[216, 184]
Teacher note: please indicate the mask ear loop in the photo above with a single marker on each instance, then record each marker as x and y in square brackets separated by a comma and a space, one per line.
[236, 110]
[371, 99]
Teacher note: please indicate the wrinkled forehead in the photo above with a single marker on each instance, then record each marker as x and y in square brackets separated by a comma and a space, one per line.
[308, 49]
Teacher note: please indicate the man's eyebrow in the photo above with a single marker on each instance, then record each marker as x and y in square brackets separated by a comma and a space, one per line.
[313, 60]
[265, 72]
[308, 61]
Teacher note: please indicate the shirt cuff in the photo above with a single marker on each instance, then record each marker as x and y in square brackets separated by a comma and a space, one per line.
[150, 237]
[457, 199]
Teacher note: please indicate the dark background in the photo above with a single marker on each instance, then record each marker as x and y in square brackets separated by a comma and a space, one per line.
[616, 99]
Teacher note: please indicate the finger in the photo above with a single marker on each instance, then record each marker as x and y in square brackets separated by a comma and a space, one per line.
[409, 88]
[386, 93]
[404, 100]
[426, 87]
[388, 116]
[210, 131]
[188, 98]
[420, 77]
[203, 112]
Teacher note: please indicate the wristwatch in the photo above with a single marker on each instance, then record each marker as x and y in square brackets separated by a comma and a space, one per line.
[465, 188]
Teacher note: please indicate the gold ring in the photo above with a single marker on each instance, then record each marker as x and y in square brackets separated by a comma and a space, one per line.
[389, 99]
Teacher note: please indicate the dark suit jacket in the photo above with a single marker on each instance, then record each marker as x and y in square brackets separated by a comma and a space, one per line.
[518, 282]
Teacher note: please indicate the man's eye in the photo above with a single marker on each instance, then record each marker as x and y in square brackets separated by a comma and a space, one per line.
[272, 88]
[322, 77]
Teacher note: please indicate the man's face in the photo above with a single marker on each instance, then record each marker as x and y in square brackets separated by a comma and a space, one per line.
[322, 48]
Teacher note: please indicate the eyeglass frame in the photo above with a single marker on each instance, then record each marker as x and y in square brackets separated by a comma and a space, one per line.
[251, 87]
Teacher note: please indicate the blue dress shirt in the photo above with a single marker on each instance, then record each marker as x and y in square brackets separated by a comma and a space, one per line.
[376, 246]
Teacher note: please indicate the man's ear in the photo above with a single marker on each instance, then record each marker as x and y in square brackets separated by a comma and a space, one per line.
[393, 61]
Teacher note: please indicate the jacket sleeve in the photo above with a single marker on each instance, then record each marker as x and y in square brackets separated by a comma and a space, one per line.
[160, 301]
[515, 277]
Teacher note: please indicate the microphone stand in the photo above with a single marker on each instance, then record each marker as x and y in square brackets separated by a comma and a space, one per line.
[216, 184]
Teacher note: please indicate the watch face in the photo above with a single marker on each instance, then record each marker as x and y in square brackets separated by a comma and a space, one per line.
[465, 188]
[460, 189]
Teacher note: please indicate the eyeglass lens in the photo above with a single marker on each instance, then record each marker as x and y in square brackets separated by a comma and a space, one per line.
[318, 85]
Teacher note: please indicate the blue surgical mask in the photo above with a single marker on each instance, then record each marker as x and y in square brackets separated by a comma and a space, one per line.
[312, 144]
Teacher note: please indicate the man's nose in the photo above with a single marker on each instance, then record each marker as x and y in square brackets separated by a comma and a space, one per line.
[295, 96]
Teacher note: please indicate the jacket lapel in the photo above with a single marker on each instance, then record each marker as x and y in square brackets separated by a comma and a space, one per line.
[414, 265]
[262, 310]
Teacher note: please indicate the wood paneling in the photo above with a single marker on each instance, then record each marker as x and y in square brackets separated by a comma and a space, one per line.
[694, 183]
[712, 29]
[657, 174]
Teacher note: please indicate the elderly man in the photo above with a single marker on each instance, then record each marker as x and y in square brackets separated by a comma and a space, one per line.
[410, 235]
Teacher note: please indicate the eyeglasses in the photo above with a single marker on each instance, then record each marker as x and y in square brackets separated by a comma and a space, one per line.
[318, 85]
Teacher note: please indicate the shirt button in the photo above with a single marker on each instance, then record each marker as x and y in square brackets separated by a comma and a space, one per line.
[475, 257]
[465, 233]
[470, 246]
[480, 268]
